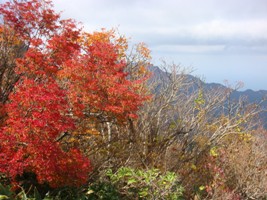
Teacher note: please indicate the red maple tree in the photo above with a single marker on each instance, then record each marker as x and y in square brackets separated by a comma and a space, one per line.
[65, 74]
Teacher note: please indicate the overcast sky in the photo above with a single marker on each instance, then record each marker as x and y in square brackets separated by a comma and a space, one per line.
[220, 39]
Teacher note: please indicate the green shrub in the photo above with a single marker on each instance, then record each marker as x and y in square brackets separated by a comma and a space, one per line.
[5, 192]
[146, 184]
[103, 190]
[126, 183]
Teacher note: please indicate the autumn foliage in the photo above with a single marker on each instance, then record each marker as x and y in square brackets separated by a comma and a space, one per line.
[70, 118]
[63, 76]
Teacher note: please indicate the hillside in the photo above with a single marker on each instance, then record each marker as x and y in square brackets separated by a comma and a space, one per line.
[248, 96]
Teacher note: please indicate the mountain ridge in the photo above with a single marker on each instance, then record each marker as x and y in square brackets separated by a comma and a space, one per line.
[250, 96]
[157, 70]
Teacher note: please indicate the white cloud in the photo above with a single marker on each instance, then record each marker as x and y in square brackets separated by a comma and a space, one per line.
[246, 29]
[176, 22]
[190, 48]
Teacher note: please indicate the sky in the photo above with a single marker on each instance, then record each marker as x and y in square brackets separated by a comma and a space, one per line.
[220, 39]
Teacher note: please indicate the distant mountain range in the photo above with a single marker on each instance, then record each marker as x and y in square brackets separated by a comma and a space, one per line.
[251, 96]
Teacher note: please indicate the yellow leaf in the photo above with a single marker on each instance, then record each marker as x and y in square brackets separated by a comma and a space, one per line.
[201, 188]
[213, 152]
[194, 167]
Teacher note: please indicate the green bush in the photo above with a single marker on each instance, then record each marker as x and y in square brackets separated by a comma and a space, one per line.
[146, 184]
[103, 190]
[5, 192]
[126, 183]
